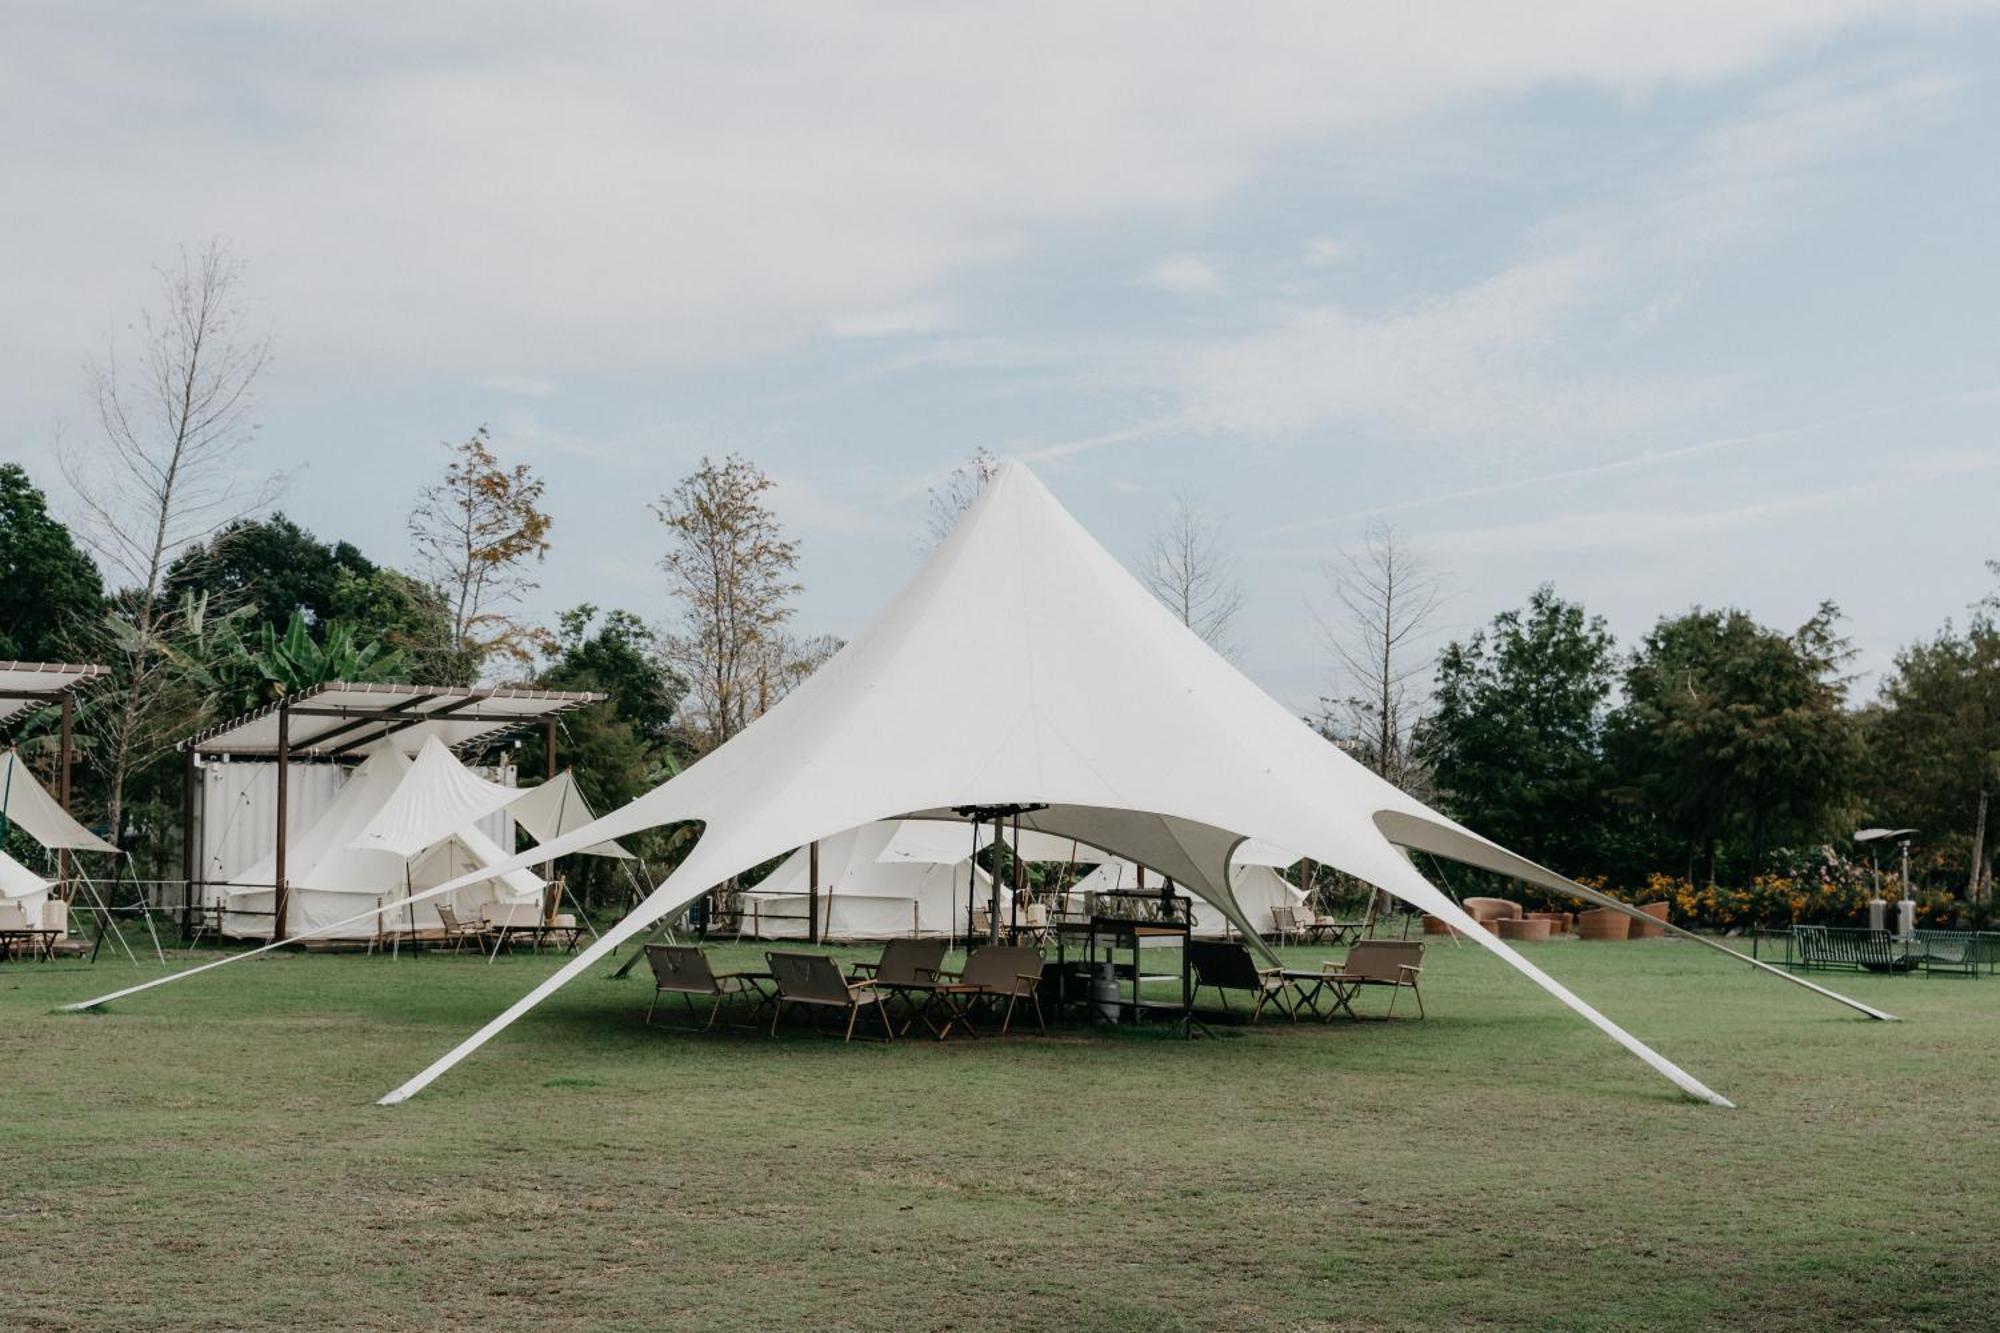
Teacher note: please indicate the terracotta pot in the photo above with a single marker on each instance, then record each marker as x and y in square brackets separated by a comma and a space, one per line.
[1602, 924]
[1435, 925]
[1482, 908]
[1527, 928]
[1643, 930]
[1558, 921]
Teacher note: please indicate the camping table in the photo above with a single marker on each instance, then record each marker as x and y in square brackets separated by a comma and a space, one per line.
[503, 936]
[1312, 983]
[922, 999]
[41, 943]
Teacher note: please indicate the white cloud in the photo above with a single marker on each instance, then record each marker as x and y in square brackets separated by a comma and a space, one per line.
[625, 187]
[1184, 275]
[1474, 363]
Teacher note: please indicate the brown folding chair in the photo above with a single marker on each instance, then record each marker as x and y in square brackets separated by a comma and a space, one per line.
[1009, 972]
[1394, 963]
[814, 980]
[459, 933]
[907, 971]
[683, 970]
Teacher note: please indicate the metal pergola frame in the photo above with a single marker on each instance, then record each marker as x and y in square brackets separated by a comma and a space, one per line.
[335, 731]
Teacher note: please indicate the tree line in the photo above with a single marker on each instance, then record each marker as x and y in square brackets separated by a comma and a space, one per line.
[1715, 756]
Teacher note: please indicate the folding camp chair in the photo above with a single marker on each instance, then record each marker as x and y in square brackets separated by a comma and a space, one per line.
[1224, 967]
[683, 970]
[1397, 964]
[907, 971]
[1009, 972]
[458, 933]
[814, 980]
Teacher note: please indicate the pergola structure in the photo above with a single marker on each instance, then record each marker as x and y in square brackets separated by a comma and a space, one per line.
[27, 688]
[336, 721]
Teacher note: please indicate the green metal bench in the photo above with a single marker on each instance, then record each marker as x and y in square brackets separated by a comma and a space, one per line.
[1954, 952]
[1834, 948]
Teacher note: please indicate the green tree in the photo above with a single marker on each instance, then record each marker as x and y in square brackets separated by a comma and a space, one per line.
[620, 748]
[49, 590]
[1934, 744]
[409, 616]
[1515, 735]
[272, 564]
[1736, 738]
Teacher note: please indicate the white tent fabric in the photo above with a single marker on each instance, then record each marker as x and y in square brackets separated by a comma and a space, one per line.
[436, 798]
[868, 891]
[1257, 889]
[28, 806]
[1094, 704]
[23, 888]
[555, 808]
[946, 842]
[340, 857]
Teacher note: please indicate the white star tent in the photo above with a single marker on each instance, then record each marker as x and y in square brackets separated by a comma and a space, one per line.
[1023, 665]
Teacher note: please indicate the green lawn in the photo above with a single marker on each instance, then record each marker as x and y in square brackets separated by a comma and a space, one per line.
[210, 1156]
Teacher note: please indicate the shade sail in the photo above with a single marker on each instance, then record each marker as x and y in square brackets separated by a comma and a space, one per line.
[29, 807]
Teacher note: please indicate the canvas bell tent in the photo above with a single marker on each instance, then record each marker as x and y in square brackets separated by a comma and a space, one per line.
[257, 782]
[1258, 888]
[877, 882]
[397, 827]
[1023, 668]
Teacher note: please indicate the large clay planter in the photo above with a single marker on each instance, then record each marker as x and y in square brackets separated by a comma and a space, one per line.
[1558, 921]
[1482, 909]
[1645, 930]
[1436, 925]
[1523, 928]
[1602, 924]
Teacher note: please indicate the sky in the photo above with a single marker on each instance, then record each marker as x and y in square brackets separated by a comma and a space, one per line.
[1664, 304]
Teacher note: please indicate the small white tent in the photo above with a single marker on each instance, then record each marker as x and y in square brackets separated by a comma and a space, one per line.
[24, 889]
[397, 827]
[877, 882]
[1258, 889]
[1099, 716]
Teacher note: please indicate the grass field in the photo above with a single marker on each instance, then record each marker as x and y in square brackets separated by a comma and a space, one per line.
[210, 1156]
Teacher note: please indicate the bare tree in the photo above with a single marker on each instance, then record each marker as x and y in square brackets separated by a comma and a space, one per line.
[1186, 570]
[1387, 600]
[163, 472]
[954, 495]
[730, 567]
[476, 531]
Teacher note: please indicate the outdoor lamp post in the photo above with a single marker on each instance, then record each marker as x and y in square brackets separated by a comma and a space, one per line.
[1906, 910]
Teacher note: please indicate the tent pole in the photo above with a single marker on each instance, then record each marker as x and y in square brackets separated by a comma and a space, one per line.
[187, 843]
[812, 892]
[1020, 883]
[552, 896]
[993, 891]
[281, 897]
[62, 786]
